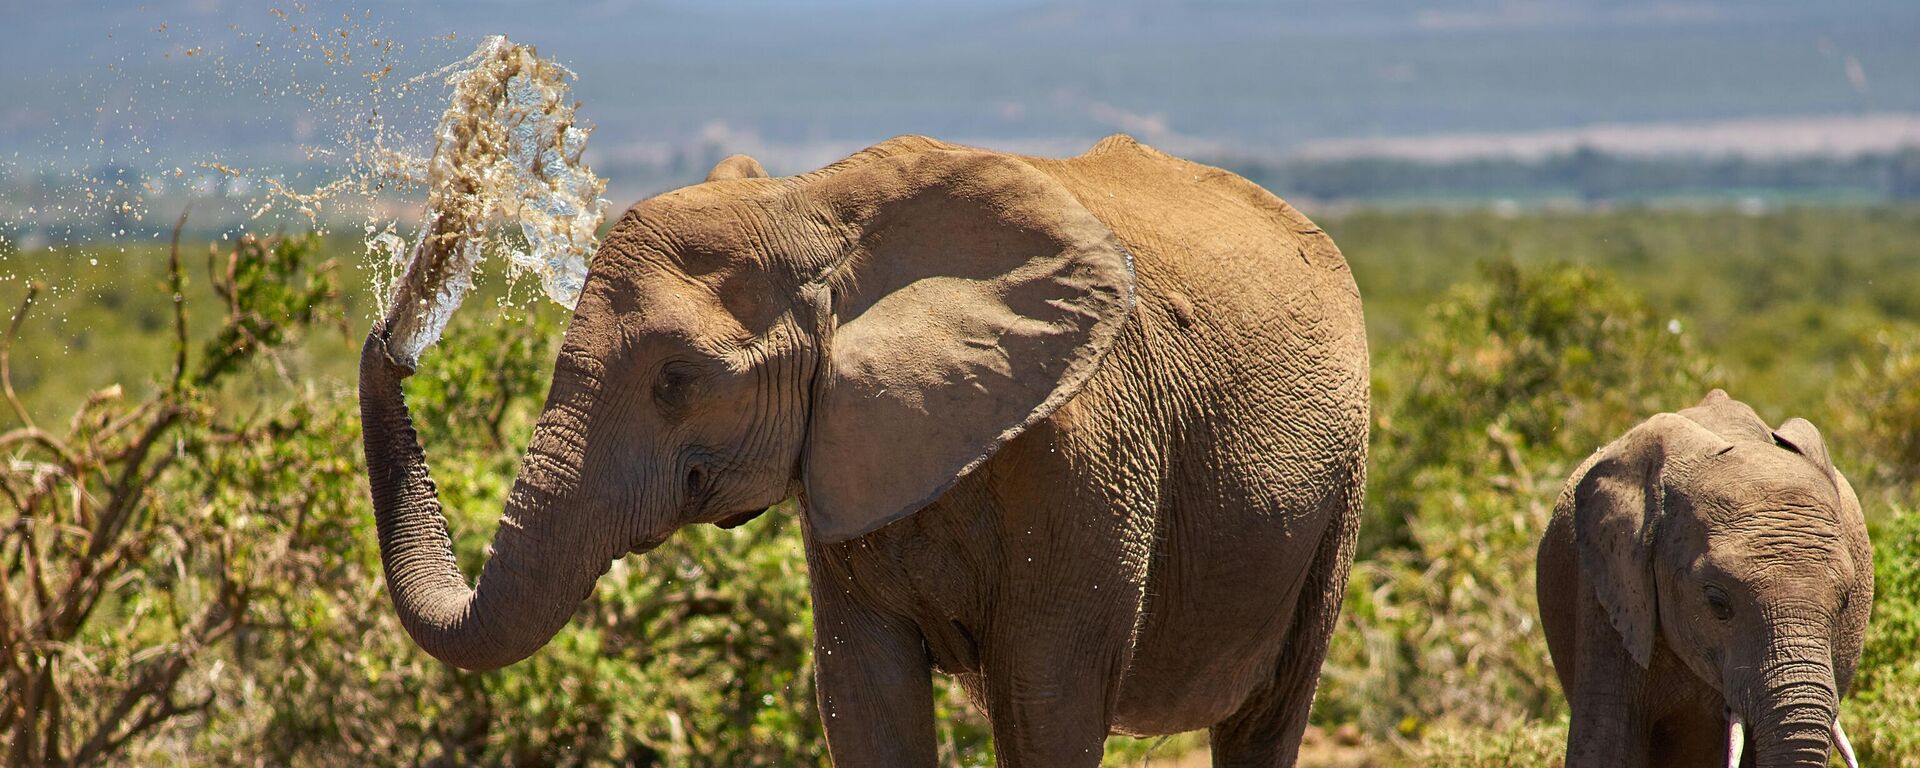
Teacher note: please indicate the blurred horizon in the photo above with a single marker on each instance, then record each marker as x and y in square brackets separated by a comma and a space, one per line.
[220, 99]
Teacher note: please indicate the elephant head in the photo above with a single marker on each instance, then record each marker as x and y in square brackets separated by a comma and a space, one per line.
[1745, 551]
[859, 337]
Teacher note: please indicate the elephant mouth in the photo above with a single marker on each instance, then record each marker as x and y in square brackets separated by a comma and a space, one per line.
[648, 545]
[738, 519]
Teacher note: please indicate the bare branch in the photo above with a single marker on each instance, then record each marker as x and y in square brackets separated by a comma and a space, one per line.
[6, 353]
[46, 439]
[176, 283]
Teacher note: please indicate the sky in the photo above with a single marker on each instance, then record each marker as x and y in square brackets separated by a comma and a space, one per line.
[1268, 75]
[274, 86]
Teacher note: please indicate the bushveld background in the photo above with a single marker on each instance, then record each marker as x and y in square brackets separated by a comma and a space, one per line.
[1565, 215]
[189, 575]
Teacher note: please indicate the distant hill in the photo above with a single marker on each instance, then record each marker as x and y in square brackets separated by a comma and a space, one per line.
[1268, 75]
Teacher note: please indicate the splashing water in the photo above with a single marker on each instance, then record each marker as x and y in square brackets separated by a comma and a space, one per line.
[506, 147]
[375, 116]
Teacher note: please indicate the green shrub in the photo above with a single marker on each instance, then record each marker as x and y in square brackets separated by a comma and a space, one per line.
[1560, 359]
[1446, 629]
[1514, 379]
[1884, 707]
[1875, 416]
[1876, 413]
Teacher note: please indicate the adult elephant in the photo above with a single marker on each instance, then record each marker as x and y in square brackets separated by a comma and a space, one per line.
[1089, 434]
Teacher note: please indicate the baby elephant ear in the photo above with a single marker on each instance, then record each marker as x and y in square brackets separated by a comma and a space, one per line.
[978, 295]
[1800, 436]
[1619, 503]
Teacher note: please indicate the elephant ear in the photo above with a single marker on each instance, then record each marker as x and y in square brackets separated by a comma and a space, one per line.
[977, 295]
[1619, 504]
[737, 167]
[1801, 437]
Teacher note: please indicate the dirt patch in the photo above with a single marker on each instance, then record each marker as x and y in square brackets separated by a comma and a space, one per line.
[1343, 747]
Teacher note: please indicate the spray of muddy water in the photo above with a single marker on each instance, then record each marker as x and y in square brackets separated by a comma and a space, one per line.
[507, 148]
[491, 140]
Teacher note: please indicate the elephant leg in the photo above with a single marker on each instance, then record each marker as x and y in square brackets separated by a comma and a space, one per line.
[1059, 647]
[1610, 723]
[1049, 709]
[875, 684]
[1267, 730]
[1050, 675]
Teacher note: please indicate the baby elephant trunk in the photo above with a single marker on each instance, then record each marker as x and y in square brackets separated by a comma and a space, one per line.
[1737, 741]
[1794, 721]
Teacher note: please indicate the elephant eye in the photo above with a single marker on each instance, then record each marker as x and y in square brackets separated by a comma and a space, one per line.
[671, 386]
[1717, 601]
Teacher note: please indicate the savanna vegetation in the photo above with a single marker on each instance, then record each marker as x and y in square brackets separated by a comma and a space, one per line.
[188, 570]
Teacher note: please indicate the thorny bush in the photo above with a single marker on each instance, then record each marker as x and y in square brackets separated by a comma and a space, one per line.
[146, 534]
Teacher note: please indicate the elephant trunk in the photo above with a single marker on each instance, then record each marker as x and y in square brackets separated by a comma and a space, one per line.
[1793, 721]
[543, 561]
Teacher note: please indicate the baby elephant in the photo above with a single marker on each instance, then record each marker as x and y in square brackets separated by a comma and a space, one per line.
[1704, 586]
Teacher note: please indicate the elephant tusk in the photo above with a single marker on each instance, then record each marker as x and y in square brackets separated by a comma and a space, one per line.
[1845, 747]
[1736, 739]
